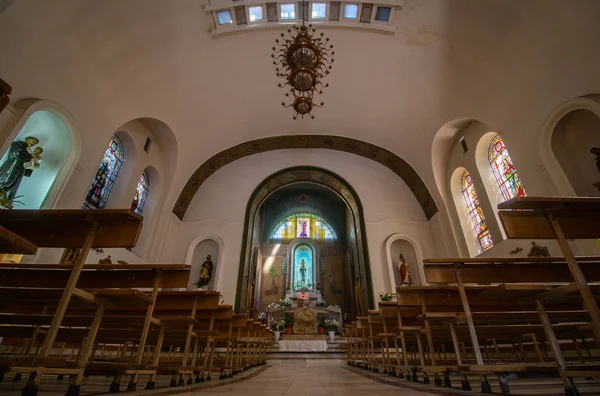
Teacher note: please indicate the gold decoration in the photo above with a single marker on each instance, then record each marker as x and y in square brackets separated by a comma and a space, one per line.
[302, 59]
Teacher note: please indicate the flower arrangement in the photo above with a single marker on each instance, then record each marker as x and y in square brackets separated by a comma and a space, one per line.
[285, 302]
[278, 325]
[321, 304]
[331, 324]
[333, 306]
[383, 296]
[288, 320]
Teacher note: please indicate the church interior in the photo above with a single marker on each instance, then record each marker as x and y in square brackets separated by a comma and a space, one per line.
[299, 197]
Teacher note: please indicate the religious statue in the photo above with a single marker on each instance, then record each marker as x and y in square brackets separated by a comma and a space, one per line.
[14, 167]
[206, 270]
[70, 255]
[538, 250]
[305, 321]
[404, 269]
[303, 272]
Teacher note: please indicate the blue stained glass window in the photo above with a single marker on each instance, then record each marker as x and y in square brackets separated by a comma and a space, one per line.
[504, 170]
[303, 267]
[105, 178]
[475, 212]
[141, 193]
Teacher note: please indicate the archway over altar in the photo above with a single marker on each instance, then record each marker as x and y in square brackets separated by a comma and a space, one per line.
[304, 239]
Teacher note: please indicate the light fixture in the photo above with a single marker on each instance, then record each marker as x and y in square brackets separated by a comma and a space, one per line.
[302, 59]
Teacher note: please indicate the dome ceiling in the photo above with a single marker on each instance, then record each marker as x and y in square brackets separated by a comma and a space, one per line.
[112, 61]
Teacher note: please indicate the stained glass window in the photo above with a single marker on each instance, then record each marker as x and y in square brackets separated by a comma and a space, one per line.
[475, 212]
[303, 225]
[504, 170]
[106, 176]
[141, 193]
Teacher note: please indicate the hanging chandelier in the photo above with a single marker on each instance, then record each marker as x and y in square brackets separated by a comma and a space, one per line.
[302, 60]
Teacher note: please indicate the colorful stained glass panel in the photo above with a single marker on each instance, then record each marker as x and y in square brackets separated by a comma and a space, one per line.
[504, 170]
[303, 225]
[141, 193]
[475, 212]
[106, 175]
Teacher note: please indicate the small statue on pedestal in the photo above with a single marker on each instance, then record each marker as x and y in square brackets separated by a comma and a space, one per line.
[405, 279]
[205, 273]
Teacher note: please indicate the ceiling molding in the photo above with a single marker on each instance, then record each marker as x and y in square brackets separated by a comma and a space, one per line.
[348, 145]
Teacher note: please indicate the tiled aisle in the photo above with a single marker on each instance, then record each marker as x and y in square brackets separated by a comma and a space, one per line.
[306, 378]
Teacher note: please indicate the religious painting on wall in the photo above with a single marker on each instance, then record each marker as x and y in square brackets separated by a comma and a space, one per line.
[272, 281]
[333, 280]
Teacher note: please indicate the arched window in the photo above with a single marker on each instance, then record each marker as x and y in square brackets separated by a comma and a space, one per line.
[475, 212]
[106, 176]
[303, 225]
[504, 170]
[141, 193]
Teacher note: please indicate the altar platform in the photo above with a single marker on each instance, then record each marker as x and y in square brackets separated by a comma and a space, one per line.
[303, 343]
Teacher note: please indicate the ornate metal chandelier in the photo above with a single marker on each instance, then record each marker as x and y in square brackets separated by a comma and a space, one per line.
[302, 59]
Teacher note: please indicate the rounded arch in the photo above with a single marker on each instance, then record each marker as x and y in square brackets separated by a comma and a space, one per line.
[219, 267]
[294, 175]
[23, 110]
[390, 259]
[549, 159]
[349, 145]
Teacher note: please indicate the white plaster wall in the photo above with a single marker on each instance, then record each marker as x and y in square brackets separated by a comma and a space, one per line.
[220, 204]
[572, 140]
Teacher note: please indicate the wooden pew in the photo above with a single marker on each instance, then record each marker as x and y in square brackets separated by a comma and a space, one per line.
[99, 289]
[533, 276]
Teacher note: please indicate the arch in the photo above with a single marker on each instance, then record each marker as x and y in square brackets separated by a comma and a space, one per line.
[549, 159]
[390, 258]
[218, 265]
[314, 175]
[349, 145]
[23, 110]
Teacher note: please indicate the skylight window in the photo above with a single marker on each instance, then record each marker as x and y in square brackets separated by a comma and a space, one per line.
[224, 17]
[383, 14]
[350, 11]
[319, 10]
[288, 11]
[256, 13]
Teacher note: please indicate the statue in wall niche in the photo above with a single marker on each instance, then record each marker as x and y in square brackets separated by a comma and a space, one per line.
[206, 270]
[404, 269]
[303, 272]
[538, 250]
[19, 158]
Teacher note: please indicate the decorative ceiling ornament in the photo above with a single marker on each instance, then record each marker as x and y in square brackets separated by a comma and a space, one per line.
[302, 59]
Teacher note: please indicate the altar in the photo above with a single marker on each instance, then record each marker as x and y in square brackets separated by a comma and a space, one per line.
[303, 343]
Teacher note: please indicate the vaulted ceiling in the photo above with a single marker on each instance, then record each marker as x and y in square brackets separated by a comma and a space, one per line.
[507, 63]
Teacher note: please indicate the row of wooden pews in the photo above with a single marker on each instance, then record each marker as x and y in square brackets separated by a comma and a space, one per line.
[508, 318]
[110, 320]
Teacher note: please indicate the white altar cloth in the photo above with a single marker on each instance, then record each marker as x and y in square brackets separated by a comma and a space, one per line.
[302, 346]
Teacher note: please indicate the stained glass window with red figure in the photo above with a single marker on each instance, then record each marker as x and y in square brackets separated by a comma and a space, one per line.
[475, 212]
[105, 178]
[141, 193]
[504, 170]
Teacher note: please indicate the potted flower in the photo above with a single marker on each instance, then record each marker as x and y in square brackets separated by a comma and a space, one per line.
[277, 327]
[285, 302]
[288, 322]
[322, 325]
[332, 326]
[383, 296]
